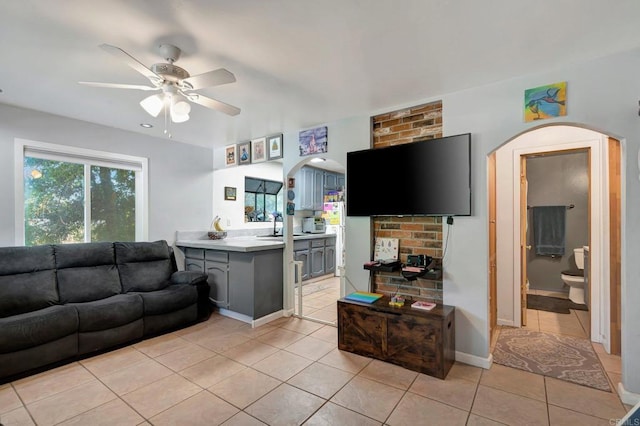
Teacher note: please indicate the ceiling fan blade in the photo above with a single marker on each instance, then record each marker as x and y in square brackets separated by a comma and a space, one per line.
[213, 104]
[118, 86]
[131, 61]
[208, 79]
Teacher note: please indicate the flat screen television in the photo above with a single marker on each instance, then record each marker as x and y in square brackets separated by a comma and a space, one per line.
[425, 178]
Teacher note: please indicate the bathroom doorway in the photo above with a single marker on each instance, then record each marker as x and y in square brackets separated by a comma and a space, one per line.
[604, 216]
[556, 196]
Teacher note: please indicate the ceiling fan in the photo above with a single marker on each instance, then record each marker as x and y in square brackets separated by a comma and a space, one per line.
[176, 85]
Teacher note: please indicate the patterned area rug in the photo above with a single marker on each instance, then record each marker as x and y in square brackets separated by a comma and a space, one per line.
[566, 358]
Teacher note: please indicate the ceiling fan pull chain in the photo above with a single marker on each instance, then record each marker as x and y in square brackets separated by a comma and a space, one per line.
[166, 122]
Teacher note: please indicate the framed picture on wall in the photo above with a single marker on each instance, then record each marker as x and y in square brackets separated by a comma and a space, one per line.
[313, 141]
[274, 144]
[230, 155]
[229, 193]
[244, 153]
[258, 150]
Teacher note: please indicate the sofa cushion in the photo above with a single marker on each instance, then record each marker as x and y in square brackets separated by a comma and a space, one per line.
[21, 260]
[35, 328]
[86, 272]
[88, 283]
[170, 299]
[27, 292]
[27, 279]
[108, 313]
[144, 266]
[83, 254]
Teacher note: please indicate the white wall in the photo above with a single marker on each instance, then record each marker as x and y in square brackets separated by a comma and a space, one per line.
[603, 95]
[180, 175]
[493, 114]
[232, 212]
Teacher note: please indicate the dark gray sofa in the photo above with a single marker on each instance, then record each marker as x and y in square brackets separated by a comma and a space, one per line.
[60, 302]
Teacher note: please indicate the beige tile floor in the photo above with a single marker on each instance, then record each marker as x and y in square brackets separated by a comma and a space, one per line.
[319, 299]
[289, 372]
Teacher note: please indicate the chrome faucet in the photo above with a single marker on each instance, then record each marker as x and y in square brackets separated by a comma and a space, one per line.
[276, 215]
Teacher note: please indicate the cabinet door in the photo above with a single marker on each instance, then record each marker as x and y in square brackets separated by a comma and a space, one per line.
[303, 256]
[340, 182]
[330, 181]
[193, 264]
[218, 273]
[317, 261]
[361, 330]
[329, 259]
[318, 189]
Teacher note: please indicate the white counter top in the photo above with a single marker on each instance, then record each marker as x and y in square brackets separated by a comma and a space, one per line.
[245, 243]
[233, 244]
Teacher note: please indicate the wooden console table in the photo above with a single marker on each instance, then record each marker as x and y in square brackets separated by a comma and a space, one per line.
[422, 341]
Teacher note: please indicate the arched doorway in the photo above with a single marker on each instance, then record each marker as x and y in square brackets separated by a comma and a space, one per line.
[311, 292]
[508, 226]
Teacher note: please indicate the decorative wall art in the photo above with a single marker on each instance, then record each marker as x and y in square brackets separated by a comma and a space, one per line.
[258, 150]
[545, 102]
[230, 155]
[291, 182]
[244, 153]
[229, 193]
[274, 144]
[313, 141]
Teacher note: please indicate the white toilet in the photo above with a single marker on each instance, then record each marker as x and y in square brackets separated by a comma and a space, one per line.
[574, 278]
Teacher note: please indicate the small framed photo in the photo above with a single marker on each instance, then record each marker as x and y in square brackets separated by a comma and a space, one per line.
[244, 153]
[258, 150]
[229, 193]
[230, 155]
[274, 144]
[291, 183]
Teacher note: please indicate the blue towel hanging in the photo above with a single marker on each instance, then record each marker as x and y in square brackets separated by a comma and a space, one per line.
[549, 229]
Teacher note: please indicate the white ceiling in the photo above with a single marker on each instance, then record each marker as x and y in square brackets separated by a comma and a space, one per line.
[298, 63]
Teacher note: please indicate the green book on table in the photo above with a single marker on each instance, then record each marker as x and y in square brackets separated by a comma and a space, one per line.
[363, 296]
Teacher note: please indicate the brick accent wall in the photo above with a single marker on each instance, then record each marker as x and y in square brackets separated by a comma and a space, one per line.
[417, 234]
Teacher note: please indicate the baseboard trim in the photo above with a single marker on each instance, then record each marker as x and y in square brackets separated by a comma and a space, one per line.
[268, 318]
[475, 360]
[627, 397]
[246, 318]
[235, 315]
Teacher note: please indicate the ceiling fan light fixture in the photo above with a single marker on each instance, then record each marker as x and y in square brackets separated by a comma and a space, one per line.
[153, 104]
[182, 108]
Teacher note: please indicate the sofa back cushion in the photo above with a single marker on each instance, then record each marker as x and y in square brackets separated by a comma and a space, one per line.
[86, 272]
[27, 279]
[144, 266]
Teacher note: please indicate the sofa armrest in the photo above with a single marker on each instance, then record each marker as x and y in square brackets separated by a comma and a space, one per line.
[188, 277]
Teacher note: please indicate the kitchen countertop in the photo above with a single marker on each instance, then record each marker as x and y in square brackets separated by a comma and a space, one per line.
[246, 243]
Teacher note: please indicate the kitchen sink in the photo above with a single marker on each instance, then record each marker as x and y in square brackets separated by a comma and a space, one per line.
[271, 237]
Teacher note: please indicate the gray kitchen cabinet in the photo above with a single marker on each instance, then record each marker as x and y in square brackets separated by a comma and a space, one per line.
[329, 255]
[256, 289]
[341, 182]
[330, 181]
[317, 261]
[309, 188]
[318, 189]
[216, 265]
[249, 283]
[301, 254]
[318, 256]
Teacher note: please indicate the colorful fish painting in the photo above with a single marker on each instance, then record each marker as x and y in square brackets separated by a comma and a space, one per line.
[545, 102]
